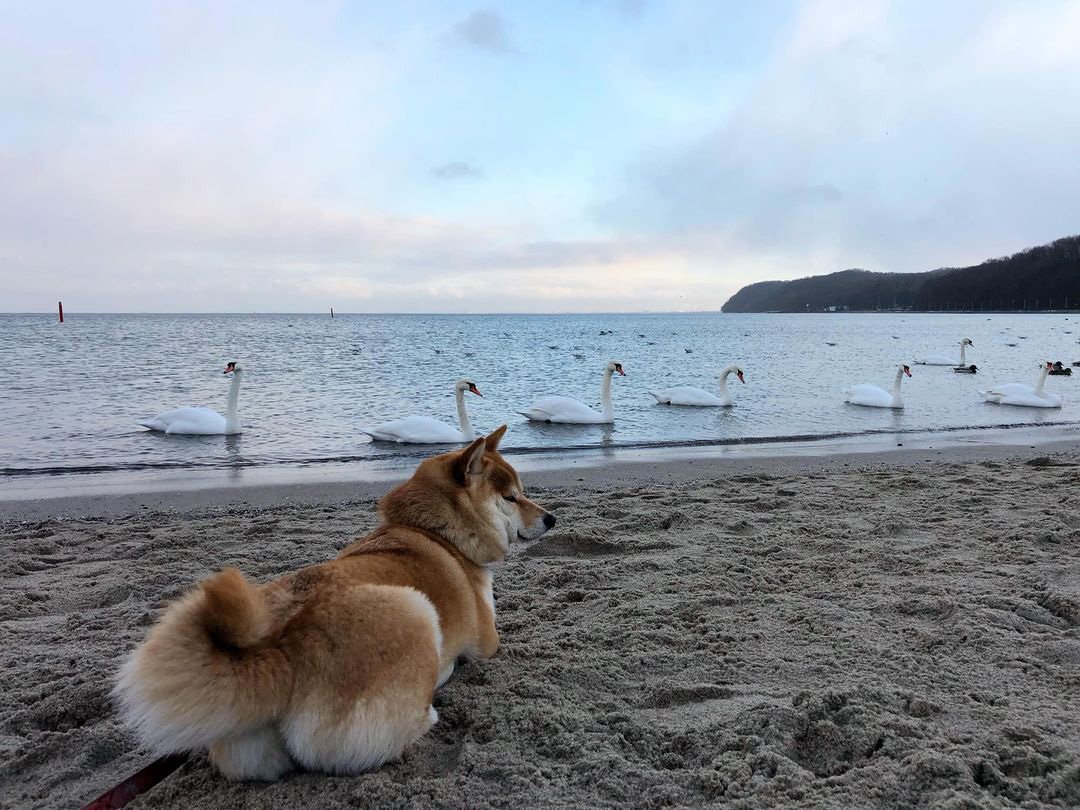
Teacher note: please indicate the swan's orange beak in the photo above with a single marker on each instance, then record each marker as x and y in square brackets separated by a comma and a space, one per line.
[742, 379]
[907, 371]
[474, 390]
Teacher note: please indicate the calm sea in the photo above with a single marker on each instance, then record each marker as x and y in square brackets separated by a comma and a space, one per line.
[70, 394]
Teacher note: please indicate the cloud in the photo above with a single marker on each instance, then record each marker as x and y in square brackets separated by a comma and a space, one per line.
[276, 168]
[457, 170]
[865, 142]
[151, 222]
[484, 29]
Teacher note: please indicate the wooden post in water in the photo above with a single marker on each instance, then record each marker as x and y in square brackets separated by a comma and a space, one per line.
[331, 312]
[60, 307]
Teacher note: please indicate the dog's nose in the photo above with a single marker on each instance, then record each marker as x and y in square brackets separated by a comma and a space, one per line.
[549, 520]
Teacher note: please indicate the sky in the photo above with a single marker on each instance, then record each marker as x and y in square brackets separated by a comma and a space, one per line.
[565, 155]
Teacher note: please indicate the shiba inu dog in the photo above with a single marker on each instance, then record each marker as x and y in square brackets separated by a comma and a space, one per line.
[333, 667]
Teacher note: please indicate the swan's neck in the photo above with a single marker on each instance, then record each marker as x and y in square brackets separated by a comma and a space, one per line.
[962, 361]
[896, 385]
[605, 395]
[232, 419]
[723, 381]
[463, 417]
[1042, 381]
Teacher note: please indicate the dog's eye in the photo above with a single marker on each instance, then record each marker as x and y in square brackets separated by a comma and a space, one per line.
[510, 498]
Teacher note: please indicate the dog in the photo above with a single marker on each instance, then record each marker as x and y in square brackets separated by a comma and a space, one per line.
[333, 668]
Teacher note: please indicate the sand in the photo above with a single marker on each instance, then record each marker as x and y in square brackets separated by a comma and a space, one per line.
[861, 634]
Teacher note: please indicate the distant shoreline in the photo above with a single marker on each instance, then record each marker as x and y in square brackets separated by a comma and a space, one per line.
[914, 312]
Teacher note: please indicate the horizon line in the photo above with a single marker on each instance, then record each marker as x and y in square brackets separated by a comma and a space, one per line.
[67, 312]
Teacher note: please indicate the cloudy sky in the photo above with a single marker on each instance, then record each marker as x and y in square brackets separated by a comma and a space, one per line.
[572, 155]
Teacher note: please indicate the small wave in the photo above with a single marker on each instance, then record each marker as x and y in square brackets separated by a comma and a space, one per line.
[409, 453]
[793, 438]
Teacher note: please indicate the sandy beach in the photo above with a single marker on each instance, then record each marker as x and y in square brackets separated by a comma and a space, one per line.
[889, 630]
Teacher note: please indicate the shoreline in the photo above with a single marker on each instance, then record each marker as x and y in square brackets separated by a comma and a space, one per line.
[104, 495]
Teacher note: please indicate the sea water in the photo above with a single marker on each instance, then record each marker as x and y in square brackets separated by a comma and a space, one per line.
[71, 394]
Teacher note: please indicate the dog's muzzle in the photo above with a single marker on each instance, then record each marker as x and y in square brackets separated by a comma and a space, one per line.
[537, 528]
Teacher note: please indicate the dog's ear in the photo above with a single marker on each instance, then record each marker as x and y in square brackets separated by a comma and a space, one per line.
[493, 438]
[469, 462]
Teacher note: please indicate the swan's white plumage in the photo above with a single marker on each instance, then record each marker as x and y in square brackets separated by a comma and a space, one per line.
[689, 395]
[693, 396]
[199, 421]
[193, 421]
[1026, 400]
[937, 360]
[872, 396]
[416, 430]
[424, 429]
[1011, 389]
[1025, 396]
[944, 360]
[565, 410]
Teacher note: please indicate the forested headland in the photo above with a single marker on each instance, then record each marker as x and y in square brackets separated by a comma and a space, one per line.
[1037, 279]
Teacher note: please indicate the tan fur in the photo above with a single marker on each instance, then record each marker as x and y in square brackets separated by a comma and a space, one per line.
[333, 667]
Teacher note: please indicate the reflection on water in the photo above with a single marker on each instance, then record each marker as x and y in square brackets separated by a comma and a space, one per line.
[70, 394]
[233, 460]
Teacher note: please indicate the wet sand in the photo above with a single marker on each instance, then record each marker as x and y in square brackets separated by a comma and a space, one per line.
[874, 630]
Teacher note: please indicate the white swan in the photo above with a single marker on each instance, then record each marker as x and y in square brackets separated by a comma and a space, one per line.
[1027, 396]
[202, 421]
[572, 412]
[699, 397]
[873, 397]
[424, 429]
[943, 360]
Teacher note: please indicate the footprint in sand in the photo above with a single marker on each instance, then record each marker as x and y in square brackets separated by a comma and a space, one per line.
[671, 696]
[572, 544]
[743, 528]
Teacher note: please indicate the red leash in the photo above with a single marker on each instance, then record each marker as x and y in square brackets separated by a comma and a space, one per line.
[138, 783]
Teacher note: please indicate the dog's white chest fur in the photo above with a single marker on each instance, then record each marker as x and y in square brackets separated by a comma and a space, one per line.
[486, 590]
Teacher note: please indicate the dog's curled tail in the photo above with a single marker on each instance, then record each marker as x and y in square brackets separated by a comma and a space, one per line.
[209, 669]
